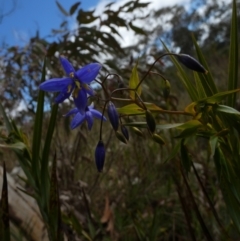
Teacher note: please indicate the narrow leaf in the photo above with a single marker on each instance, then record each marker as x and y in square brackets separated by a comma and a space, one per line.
[63, 11]
[4, 222]
[206, 79]
[74, 8]
[226, 109]
[185, 80]
[54, 205]
[233, 56]
[37, 131]
[45, 157]
[133, 83]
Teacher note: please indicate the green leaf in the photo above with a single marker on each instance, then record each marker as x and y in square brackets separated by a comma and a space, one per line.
[54, 206]
[213, 141]
[229, 185]
[189, 128]
[207, 80]
[63, 11]
[218, 97]
[74, 8]
[233, 56]
[18, 146]
[45, 157]
[200, 89]
[159, 127]
[4, 211]
[37, 130]
[185, 80]
[136, 29]
[174, 152]
[134, 109]
[226, 109]
[133, 83]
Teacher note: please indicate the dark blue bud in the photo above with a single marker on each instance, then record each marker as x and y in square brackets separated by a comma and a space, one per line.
[113, 115]
[100, 155]
[125, 132]
[191, 63]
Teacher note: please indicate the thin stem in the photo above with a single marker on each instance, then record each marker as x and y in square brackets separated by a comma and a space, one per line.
[144, 77]
[100, 135]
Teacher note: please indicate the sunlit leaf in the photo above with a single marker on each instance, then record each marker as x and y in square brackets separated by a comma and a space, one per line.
[133, 109]
[219, 96]
[226, 109]
[206, 80]
[133, 83]
[191, 108]
[200, 89]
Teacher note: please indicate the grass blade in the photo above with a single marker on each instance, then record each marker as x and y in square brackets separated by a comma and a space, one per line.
[233, 56]
[185, 80]
[37, 131]
[54, 206]
[45, 180]
[207, 80]
[4, 222]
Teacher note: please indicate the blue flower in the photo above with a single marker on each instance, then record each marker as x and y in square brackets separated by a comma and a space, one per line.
[76, 82]
[88, 115]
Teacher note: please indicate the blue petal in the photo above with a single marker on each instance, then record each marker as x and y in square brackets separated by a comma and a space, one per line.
[89, 90]
[81, 101]
[88, 73]
[77, 120]
[61, 97]
[89, 119]
[97, 114]
[55, 85]
[71, 112]
[67, 66]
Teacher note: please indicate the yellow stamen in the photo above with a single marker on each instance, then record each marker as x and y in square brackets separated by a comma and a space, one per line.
[77, 83]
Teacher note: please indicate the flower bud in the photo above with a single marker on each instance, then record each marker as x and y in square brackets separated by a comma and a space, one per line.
[137, 131]
[100, 155]
[113, 115]
[150, 121]
[191, 63]
[125, 132]
[158, 139]
[121, 137]
[166, 89]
